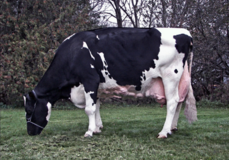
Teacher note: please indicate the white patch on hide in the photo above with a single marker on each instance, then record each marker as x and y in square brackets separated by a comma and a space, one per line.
[170, 32]
[49, 106]
[69, 37]
[168, 57]
[77, 96]
[147, 77]
[103, 59]
[109, 82]
[24, 100]
[90, 105]
[92, 66]
[168, 51]
[85, 46]
[97, 37]
[90, 92]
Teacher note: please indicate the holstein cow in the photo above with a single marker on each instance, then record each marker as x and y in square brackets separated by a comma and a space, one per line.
[149, 61]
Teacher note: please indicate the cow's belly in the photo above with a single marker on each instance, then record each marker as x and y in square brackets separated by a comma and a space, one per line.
[153, 88]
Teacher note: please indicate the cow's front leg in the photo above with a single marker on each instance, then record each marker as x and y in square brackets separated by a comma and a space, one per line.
[90, 111]
[98, 120]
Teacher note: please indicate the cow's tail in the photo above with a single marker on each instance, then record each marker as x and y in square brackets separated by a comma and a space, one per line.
[190, 103]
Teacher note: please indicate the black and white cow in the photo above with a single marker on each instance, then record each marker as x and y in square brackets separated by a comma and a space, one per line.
[109, 58]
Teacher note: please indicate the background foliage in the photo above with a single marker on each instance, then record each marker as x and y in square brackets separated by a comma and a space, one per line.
[31, 31]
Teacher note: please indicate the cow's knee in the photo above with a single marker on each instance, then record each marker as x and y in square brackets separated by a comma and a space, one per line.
[90, 110]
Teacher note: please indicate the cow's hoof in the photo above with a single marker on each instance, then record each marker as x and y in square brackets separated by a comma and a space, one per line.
[161, 136]
[97, 131]
[87, 136]
[174, 129]
[100, 126]
[164, 134]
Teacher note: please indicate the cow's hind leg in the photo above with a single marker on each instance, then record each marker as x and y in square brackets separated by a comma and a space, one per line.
[176, 117]
[171, 109]
[172, 98]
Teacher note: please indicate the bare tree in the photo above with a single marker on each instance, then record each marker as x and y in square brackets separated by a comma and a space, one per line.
[167, 13]
[126, 12]
[209, 26]
[133, 9]
[148, 13]
[116, 6]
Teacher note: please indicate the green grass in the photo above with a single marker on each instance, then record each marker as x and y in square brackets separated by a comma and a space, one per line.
[129, 133]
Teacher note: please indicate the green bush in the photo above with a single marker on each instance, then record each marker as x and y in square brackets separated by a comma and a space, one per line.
[205, 103]
[30, 33]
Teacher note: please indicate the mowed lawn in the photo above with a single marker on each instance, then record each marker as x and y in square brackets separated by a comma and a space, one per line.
[129, 132]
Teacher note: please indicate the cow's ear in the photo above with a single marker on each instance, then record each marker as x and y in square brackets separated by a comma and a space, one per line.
[32, 96]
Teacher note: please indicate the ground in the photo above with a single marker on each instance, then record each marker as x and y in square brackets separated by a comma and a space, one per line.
[129, 133]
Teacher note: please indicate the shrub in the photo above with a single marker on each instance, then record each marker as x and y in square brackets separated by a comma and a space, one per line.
[30, 33]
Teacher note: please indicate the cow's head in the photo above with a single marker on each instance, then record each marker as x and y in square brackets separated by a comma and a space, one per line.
[38, 112]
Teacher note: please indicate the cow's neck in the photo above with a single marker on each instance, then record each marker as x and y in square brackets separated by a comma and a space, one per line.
[53, 85]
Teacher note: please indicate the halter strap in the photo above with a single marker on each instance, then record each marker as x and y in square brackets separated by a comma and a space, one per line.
[35, 124]
[30, 118]
[34, 93]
